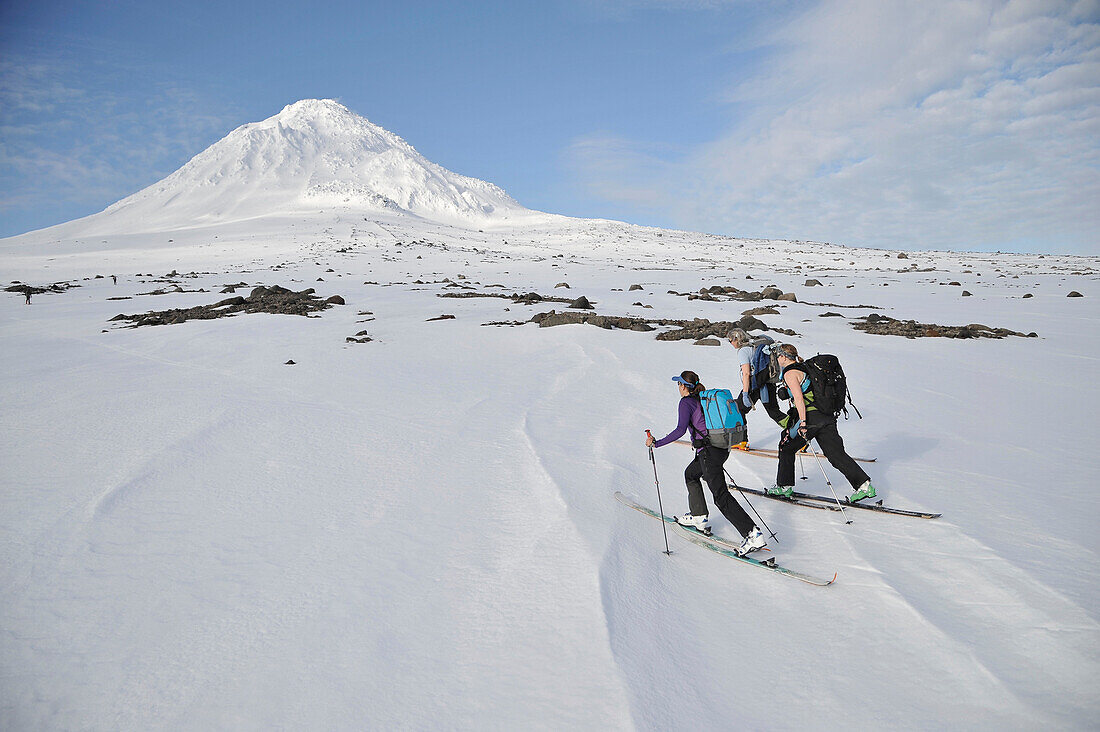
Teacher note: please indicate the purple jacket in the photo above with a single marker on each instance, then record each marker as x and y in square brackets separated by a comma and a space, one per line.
[689, 412]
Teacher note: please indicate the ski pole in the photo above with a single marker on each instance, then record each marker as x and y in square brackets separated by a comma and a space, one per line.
[743, 495]
[827, 482]
[664, 529]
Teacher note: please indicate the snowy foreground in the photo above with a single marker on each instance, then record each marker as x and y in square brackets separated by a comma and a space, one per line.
[419, 532]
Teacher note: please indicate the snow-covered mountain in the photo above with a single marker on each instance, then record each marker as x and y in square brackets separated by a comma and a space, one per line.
[314, 154]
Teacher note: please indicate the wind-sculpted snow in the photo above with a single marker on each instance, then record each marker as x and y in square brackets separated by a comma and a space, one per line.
[418, 531]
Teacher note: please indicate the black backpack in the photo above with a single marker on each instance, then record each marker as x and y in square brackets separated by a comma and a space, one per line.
[829, 385]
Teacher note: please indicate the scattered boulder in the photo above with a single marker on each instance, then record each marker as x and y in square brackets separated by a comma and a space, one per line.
[771, 293]
[581, 303]
[1027, 295]
[707, 342]
[830, 315]
[903, 255]
[1074, 293]
[440, 317]
[788, 296]
[966, 293]
[334, 300]
[813, 283]
[768, 310]
[289, 363]
[562, 284]
[635, 287]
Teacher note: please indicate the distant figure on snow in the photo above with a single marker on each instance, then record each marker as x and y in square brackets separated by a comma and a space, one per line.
[805, 422]
[707, 465]
[27, 293]
[114, 279]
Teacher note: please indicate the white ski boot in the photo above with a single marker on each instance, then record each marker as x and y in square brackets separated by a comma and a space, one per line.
[752, 542]
[699, 523]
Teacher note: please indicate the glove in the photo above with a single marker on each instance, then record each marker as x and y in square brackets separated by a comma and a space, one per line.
[746, 400]
[796, 428]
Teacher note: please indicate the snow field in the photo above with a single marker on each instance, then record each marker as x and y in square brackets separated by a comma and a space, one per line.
[419, 532]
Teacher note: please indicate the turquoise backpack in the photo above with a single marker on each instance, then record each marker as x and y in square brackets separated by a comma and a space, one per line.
[725, 424]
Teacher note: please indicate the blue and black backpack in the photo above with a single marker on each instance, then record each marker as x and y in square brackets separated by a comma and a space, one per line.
[725, 424]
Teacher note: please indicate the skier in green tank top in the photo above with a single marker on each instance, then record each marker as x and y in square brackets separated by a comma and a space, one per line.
[804, 421]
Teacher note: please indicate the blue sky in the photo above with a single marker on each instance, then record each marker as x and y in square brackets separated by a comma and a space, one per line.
[963, 125]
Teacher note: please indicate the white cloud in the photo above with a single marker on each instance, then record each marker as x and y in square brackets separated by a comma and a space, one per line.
[892, 123]
[79, 138]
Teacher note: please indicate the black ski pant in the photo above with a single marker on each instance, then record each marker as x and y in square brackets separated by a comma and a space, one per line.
[823, 429]
[707, 465]
[772, 403]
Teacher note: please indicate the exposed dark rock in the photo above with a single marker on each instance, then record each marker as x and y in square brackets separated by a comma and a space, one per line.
[749, 322]
[771, 293]
[24, 289]
[885, 325]
[289, 363]
[440, 317]
[901, 255]
[273, 299]
[581, 303]
[562, 284]
[1027, 295]
[830, 315]
[966, 293]
[768, 310]
[1075, 293]
[636, 287]
[813, 283]
[788, 296]
[707, 342]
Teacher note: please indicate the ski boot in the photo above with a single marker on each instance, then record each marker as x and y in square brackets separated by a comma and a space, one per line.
[864, 491]
[697, 523]
[752, 542]
[780, 490]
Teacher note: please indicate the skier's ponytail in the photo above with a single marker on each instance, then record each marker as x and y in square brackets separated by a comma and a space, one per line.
[788, 350]
[693, 378]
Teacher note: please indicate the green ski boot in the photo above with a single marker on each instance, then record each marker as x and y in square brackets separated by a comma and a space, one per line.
[864, 491]
[781, 490]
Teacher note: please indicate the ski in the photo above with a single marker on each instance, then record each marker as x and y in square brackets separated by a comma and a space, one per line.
[828, 503]
[722, 547]
[774, 454]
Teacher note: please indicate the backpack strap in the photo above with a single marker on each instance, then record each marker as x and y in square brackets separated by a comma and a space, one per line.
[807, 384]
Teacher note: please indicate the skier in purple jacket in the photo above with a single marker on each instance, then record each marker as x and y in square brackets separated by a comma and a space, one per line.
[707, 465]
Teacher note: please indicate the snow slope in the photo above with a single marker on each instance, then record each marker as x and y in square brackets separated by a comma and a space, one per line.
[418, 532]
